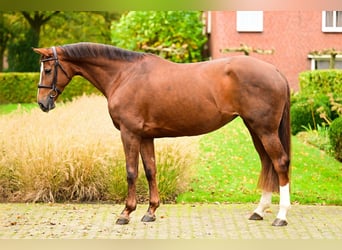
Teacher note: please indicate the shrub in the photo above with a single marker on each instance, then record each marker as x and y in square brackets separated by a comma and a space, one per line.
[22, 88]
[306, 112]
[321, 82]
[335, 136]
[318, 99]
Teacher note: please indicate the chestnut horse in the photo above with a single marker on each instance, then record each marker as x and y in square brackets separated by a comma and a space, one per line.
[149, 97]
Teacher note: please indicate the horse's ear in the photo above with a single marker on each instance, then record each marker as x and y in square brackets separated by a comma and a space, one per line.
[42, 51]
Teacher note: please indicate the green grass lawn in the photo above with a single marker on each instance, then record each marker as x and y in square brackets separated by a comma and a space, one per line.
[228, 170]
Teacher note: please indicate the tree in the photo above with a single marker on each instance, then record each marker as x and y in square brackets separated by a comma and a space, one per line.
[36, 20]
[108, 18]
[20, 57]
[175, 35]
[4, 37]
[49, 28]
[72, 26]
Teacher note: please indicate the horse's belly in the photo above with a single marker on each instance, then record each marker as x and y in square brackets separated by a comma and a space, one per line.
[185, 125]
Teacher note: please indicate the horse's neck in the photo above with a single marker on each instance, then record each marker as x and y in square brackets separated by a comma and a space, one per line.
[102, 75]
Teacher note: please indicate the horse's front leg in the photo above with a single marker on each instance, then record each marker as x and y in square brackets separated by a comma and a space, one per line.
[131, 144]
[148, 157]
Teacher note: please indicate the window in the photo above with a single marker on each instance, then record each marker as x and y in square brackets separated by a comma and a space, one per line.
[332, 21]
[249, 21]
[323, 62]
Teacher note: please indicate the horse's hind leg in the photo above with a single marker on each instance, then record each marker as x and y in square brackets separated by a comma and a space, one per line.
[264, 183]
[274, 174]
[280, 161]
[148, 157]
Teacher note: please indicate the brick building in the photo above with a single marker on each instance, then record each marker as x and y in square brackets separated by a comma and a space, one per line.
[291, 34]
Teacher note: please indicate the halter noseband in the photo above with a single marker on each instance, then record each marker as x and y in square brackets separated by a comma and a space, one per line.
[54, 80]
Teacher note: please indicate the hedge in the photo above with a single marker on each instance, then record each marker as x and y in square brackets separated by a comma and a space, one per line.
[22, 88]
[321, 82]
[335, 137]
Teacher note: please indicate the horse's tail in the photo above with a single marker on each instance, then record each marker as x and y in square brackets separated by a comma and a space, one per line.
[285, 126]
[285, 129]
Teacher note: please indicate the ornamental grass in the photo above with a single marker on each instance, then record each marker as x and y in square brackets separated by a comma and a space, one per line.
[74, 153]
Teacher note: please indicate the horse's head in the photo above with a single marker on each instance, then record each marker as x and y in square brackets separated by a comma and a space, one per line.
[53, 78]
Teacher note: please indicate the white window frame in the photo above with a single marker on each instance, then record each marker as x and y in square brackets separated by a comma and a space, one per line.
[333, 28]
[208, 22]
[249, 21]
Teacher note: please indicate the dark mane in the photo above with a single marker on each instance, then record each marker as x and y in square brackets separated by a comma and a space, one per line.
[84, 50]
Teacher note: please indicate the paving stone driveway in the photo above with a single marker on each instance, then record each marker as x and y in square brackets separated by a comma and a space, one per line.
[188, 221]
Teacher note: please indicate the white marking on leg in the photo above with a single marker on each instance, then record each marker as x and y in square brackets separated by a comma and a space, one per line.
[265, 202]
[284, 204]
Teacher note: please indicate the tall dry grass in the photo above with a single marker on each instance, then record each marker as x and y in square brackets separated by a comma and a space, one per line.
[74, 153]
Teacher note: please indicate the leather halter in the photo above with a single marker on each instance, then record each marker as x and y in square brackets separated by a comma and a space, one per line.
[53, 86]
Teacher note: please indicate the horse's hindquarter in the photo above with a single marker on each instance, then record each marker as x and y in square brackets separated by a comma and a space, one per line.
[262, 90]
[168, 99]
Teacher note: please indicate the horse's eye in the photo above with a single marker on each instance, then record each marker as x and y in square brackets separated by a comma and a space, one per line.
[47, 71]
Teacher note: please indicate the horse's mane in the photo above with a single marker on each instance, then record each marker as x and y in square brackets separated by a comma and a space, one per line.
[84, 50]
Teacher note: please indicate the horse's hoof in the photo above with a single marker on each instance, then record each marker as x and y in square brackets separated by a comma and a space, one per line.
[279, 223]
[122, 221]
[255, 216]
[148, 218]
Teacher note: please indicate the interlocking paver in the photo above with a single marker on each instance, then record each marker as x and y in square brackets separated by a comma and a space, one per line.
[181, 221]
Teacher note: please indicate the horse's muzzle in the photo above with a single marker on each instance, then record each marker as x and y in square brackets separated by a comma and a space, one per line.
[48, 105]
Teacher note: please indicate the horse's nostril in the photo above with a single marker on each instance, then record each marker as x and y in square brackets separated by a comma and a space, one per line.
[42, 107]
